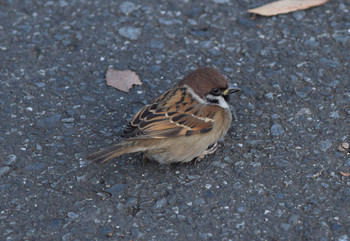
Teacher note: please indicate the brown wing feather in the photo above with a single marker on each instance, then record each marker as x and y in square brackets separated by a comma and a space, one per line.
[175, 113]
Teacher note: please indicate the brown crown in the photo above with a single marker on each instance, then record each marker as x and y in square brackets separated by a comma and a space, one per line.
[202, 80]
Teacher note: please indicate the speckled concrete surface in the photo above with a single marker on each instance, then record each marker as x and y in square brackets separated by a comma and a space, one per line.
[275, 176]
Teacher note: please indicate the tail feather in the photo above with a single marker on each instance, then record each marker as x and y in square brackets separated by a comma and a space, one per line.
[109, 153]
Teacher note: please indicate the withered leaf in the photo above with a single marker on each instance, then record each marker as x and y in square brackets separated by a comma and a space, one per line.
[345, 174]
[122, 80]
[285, 6]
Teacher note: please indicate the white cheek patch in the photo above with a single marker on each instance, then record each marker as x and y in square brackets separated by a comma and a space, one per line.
[219, 99]
[194, 95]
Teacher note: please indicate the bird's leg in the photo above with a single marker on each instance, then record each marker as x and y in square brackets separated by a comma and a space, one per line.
[210, 150]
[144, 159]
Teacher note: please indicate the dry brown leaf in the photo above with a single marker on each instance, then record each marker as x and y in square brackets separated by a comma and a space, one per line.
[122, 80]
[345, 174]
[285, 6]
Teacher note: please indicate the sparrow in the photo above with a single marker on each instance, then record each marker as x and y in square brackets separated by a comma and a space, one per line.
[182, 124]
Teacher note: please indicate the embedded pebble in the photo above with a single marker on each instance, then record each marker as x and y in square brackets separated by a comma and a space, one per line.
[4, 170]
[127, 7]
[49, 122]
[277, 129]
[116, 189]
[11, 159]
[130, 32]
[324, 145]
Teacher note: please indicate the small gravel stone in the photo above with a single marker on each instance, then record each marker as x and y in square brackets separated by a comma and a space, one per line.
[156, 44]
[293, 220]
[347, 162]
[40, 84]
[130, 32]
[131, 201]
[303, 111]
[116, 189]
[72, 215]
[169, 22]
[330, 62]
[341, 36]
[343, 238]
[88, 98]
[246, 22]
[219, 164]
[38, 147]
[304, 92]
[68, 120]
[198, 202]
[127, 7]
[283, 163]
[277, 129]
[67, 237]
[285, 226]
[311, 42]
[49, 122]
[62, 3]
[269, 96]
[221, 1]
[4, 170]
[35, 167]
[347, 191]
[324, 145]
[334, 115]
[160, 203]
[11, 159]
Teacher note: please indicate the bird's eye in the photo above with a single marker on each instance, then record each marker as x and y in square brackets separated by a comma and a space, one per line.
[215, 91]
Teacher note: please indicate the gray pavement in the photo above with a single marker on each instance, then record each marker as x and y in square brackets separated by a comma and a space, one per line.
[276, 176]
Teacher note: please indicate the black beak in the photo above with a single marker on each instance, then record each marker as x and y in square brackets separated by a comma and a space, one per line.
[231, 89]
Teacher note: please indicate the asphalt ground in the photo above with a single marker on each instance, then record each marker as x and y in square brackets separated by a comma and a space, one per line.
[278, 174]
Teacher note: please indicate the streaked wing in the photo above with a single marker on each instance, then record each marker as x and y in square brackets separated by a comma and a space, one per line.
[175, 113]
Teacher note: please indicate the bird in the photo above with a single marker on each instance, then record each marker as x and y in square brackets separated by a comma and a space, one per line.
[181, 125]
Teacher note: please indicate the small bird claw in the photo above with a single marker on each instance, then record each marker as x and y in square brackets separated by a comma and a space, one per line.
[210, 150]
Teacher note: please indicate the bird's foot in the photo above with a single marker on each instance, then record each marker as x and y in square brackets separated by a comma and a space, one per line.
[210, 150]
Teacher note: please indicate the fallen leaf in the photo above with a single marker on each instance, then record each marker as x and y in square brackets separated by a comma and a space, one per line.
[122, 80]
[285, 6]
[344, 174]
